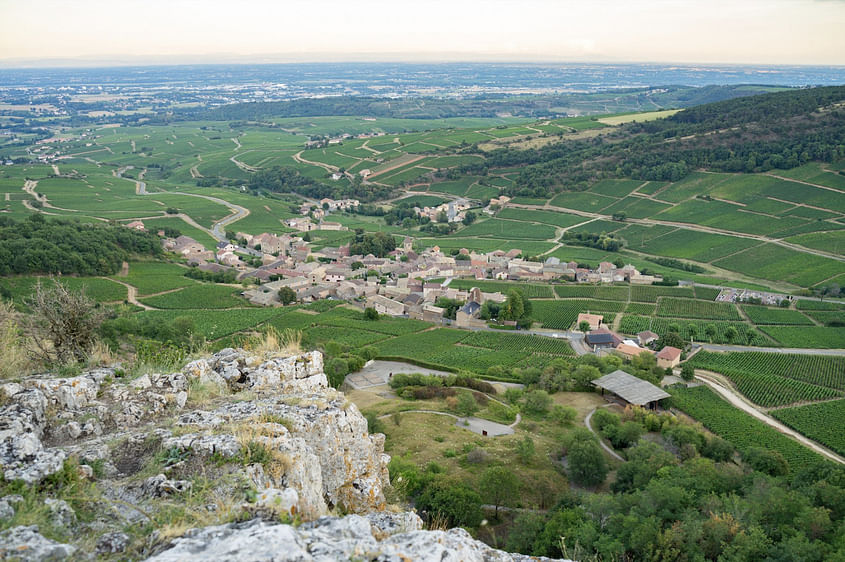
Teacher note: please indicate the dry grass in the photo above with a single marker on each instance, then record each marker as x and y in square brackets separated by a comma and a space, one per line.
[273, 342]
[100, 355]
[257, 440]
[204, 393]
[14, 357]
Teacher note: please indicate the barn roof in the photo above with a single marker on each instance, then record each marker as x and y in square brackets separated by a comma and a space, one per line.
[630, 388]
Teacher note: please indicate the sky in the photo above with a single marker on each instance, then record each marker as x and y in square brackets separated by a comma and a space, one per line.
[691, 31]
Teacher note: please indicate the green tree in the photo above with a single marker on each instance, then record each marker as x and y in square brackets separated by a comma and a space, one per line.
[467, 405]
[370, 313]
[710, 331]
[498, 486]
[287, 295]
[692, 330]
[731, 334]
[584, 326]
[514, 307]
[586, 465]
[687, 371]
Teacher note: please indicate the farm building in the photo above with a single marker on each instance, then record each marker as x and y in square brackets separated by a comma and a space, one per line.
[631, 389]
[668, 357]
[594, 320]
[629, 351]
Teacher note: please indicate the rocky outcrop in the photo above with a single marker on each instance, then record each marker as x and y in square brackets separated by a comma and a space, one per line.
[377, 536]
[238, 436]
[28, 545]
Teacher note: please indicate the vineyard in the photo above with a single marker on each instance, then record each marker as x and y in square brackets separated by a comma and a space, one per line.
[518, 342]
[355, 338]
[740, 429]
[611, 293]
[821, 370]
[773, 390]
[820, 422]
[200, 296]
[808, 336]
[528, 290]
[561, 314]
[648, 293]
[764, 315]
[635, 324]
[689, 308]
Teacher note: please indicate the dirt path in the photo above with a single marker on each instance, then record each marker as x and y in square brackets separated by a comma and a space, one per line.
[56, 170]
[389, 169]
[241, 165]
[328, 167]
[131, 293]
[607, 449]
[722, 388]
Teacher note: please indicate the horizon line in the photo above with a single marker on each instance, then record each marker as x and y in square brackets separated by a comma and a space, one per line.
[104, 61]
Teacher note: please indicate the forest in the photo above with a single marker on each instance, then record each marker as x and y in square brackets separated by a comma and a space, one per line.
[36, 245]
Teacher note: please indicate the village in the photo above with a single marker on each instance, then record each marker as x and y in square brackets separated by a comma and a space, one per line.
[406, 281]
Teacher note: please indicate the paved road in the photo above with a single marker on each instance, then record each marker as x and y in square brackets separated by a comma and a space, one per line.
[377, 373]
[476, 425]
[796, 350]
[713, 381]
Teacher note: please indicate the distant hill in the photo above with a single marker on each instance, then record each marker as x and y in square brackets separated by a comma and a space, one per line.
[760, 133]
[530, 106]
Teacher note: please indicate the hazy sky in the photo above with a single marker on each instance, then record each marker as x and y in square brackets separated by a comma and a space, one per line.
[728, 31]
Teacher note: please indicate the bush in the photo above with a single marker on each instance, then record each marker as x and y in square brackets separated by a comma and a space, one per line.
[513, 395]
[603, 418]
[536, 402]
[625, 435]
[477, 456]
[563, 414]
[456, 502]
[466, 405]
[525, 449]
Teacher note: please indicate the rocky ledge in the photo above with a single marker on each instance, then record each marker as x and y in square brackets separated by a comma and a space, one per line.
[251, 452]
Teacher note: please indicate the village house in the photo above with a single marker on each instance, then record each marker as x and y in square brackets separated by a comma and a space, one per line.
[136, 225]
[384, 305]
[669, 357]
[628, 350]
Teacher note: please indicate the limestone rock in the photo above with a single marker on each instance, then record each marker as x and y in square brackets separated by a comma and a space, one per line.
[61, 514]
[328, 539]
[28, 545]
[279, 501]
[161, 485]
[111, 543]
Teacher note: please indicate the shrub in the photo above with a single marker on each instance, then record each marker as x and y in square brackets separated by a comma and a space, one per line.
[603, 418]
[563, 414]
[525, 449]
[466, 405]
[477, 456]
[624, 435]
[537, 402]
